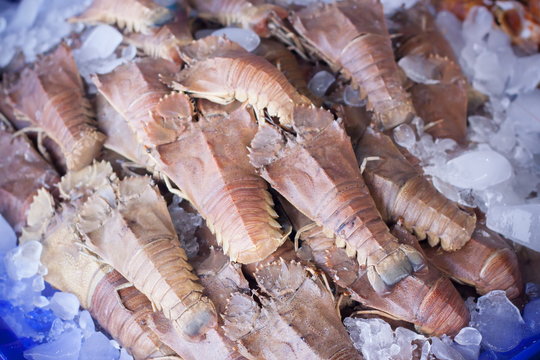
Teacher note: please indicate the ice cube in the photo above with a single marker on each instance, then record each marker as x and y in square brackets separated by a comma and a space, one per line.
[25, 16]
[450, 26]
[444, 351]
[531, 316]
[477, 169]
[320, 82]
[352, 97]
[420, 69]
[23, 262]
[86, 323]
[499, 322]
[532, 290]
[66, 347]
[246, 38]
[8, 239]
[520, 223]
[477, 24]
[467, 342]
[98, 346]
[525, 76]
[100, 43]
[391, 6]
[404, 136]
[64, 305]
[525, 114]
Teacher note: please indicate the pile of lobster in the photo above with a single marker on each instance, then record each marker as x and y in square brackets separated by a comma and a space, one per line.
[306, 199]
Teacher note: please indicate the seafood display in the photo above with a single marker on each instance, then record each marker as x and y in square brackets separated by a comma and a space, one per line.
[308, 209]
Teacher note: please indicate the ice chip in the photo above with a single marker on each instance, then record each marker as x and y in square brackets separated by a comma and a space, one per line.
[64, 305]
[532, 290]
[420, 69]
[531, 316]
[524, 112]
[450, 26]
[246, 38]
[100, 43]
[444, 351]
[520, 223]
[468, 336]
[86, 323]
[23, 262]
[352, 97]
[477, 24]
[8, 239]
[98, 346]
[525, 76]
[3, 24]
[66, 347]
[320, 82]
[467, 342]
[477, 169]
[495, 308]
[404, 136]
[26, 15]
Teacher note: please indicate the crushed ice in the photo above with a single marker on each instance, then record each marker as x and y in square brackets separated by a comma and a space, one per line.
[377, 341]
[33, 27]
[49, 324]
[499, 171]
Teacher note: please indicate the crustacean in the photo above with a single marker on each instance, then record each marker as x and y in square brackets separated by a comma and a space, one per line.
[486, 262]
[113, 302]
[247, 14]
[293, 317]
[401, 192]
[316, 170]
[132, 15]
[22, 172]
[164, 41]
[351, 36]
[440, 98]
[132, 215]
[232, 198]
[436, 307]
[50, 96]
[222, 71]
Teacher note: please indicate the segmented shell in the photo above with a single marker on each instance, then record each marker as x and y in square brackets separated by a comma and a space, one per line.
[351, 36]
[51, 97]
[401, 192]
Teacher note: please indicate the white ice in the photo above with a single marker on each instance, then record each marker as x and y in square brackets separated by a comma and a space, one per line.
[467, 342]
[64, 305]
[499, 322]
[419, 69]
[478, 170]
[23, 262]
[320, 82]
[8, 239]
[404, 136]
[351, 97]
[66, 347]
[531, 316]
[246, 38]
[100, 42]
[86, 323]
[520, 223]
[98, 346]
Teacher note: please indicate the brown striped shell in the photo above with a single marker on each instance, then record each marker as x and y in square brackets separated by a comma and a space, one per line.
[22, 172]
[402, 193]
[351, 36]
[132, 15]
[51, 97]
[294, 318]
[316, 171]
